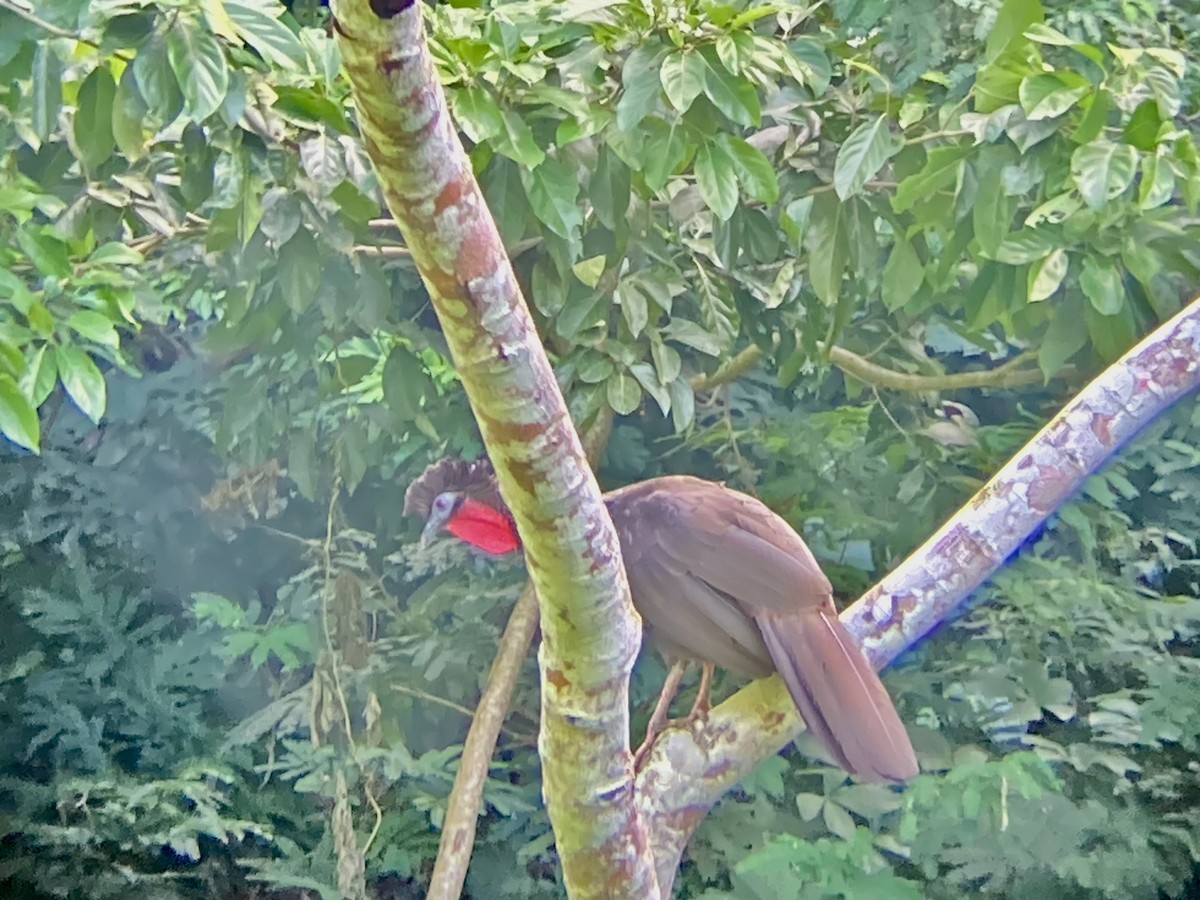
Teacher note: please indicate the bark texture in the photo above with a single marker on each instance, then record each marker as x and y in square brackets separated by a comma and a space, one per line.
[687, 773]
[618, 838]
[590, 635]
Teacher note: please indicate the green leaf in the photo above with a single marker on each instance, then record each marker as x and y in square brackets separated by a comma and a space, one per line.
[692, 335]
[828, 248]
[553, 189]
[258, 25]
[1063, 339]
[41, 376]
[666, 151]
[811, 67]
[902, 276]
[12, 360]
[48, 253]
[667, 361]
[648, 379]
[309, 105]
[1140, 260]
[1142, 129]
[94, 117]
[94, 326]
[940, 171]
[736, 51]
[641, 85]
[517, 143]
[46, 95]
[1044, 34]
[358, 207]
[809, 805]
[1095, 119]
[1046, 96]
[299, 271]
[405, 383]
[198, 61]
[717, 180]
[592, 367]
[610, 189]
[589, 270]
[302, 463]
[623, 393]
[998, 84]
[83, 381]
[1014, 18]
[1166, 89]
[581, 310]
[476, 111]
[1101, 282]
[1027, 245]
[733, 95]
[505, 193]
[682, 76]
[838, 821]
[18, 418]
[156, 80]
[683, 404]
[753, 169]
[1103, 170]
[794, 221]
[1046, 276]
[129, 116]
[1111, 335]
[115, 253]
[633, 306]
[1157, 186]
[993, 212]
[862, 155]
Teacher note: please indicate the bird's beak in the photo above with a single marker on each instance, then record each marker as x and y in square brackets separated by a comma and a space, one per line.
[430, 532]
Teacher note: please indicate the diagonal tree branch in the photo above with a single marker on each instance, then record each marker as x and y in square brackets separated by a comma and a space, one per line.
[688, 773]
[463, 808]
[590, 633]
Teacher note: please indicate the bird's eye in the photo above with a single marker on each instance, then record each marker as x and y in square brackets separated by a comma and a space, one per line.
[442, 503]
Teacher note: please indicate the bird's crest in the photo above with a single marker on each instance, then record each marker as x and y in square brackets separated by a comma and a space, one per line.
[476, 479]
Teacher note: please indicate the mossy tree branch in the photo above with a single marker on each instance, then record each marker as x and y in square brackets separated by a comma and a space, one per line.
[590, 633]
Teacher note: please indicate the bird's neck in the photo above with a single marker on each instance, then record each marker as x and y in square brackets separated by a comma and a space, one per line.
[485, 528]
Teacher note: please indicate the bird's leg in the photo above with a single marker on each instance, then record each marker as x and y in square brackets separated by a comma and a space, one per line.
[658, 719]
[703, 702]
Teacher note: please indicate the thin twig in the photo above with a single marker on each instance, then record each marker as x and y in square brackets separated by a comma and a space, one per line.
[41, 23]
[458, 708]
[1014, 373]
[335, 661]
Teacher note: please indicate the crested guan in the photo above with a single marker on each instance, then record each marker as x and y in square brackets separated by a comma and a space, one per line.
[718, 578]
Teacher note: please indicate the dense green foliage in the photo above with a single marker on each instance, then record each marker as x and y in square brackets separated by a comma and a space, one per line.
[220, 646]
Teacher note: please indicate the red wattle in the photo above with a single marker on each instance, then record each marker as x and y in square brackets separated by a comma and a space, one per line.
[485, 528]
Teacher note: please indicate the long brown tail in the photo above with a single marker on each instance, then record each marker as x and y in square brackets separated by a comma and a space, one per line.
[842, 700]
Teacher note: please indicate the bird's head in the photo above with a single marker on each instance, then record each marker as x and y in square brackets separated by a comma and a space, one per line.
[460, 498]
[441, 513]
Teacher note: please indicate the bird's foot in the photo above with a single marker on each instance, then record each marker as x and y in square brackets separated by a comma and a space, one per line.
[653, 731]
[703, 704]
[640, 754]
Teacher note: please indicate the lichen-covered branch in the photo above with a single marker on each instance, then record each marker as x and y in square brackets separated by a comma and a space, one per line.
[687, 773]
[1014, 373]
[590, 634]
[462, 810]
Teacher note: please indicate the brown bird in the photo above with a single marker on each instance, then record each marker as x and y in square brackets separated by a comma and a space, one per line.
[719, 578]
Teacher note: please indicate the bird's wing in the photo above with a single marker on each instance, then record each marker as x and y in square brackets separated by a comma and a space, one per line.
[733, 543]
[719, 577]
